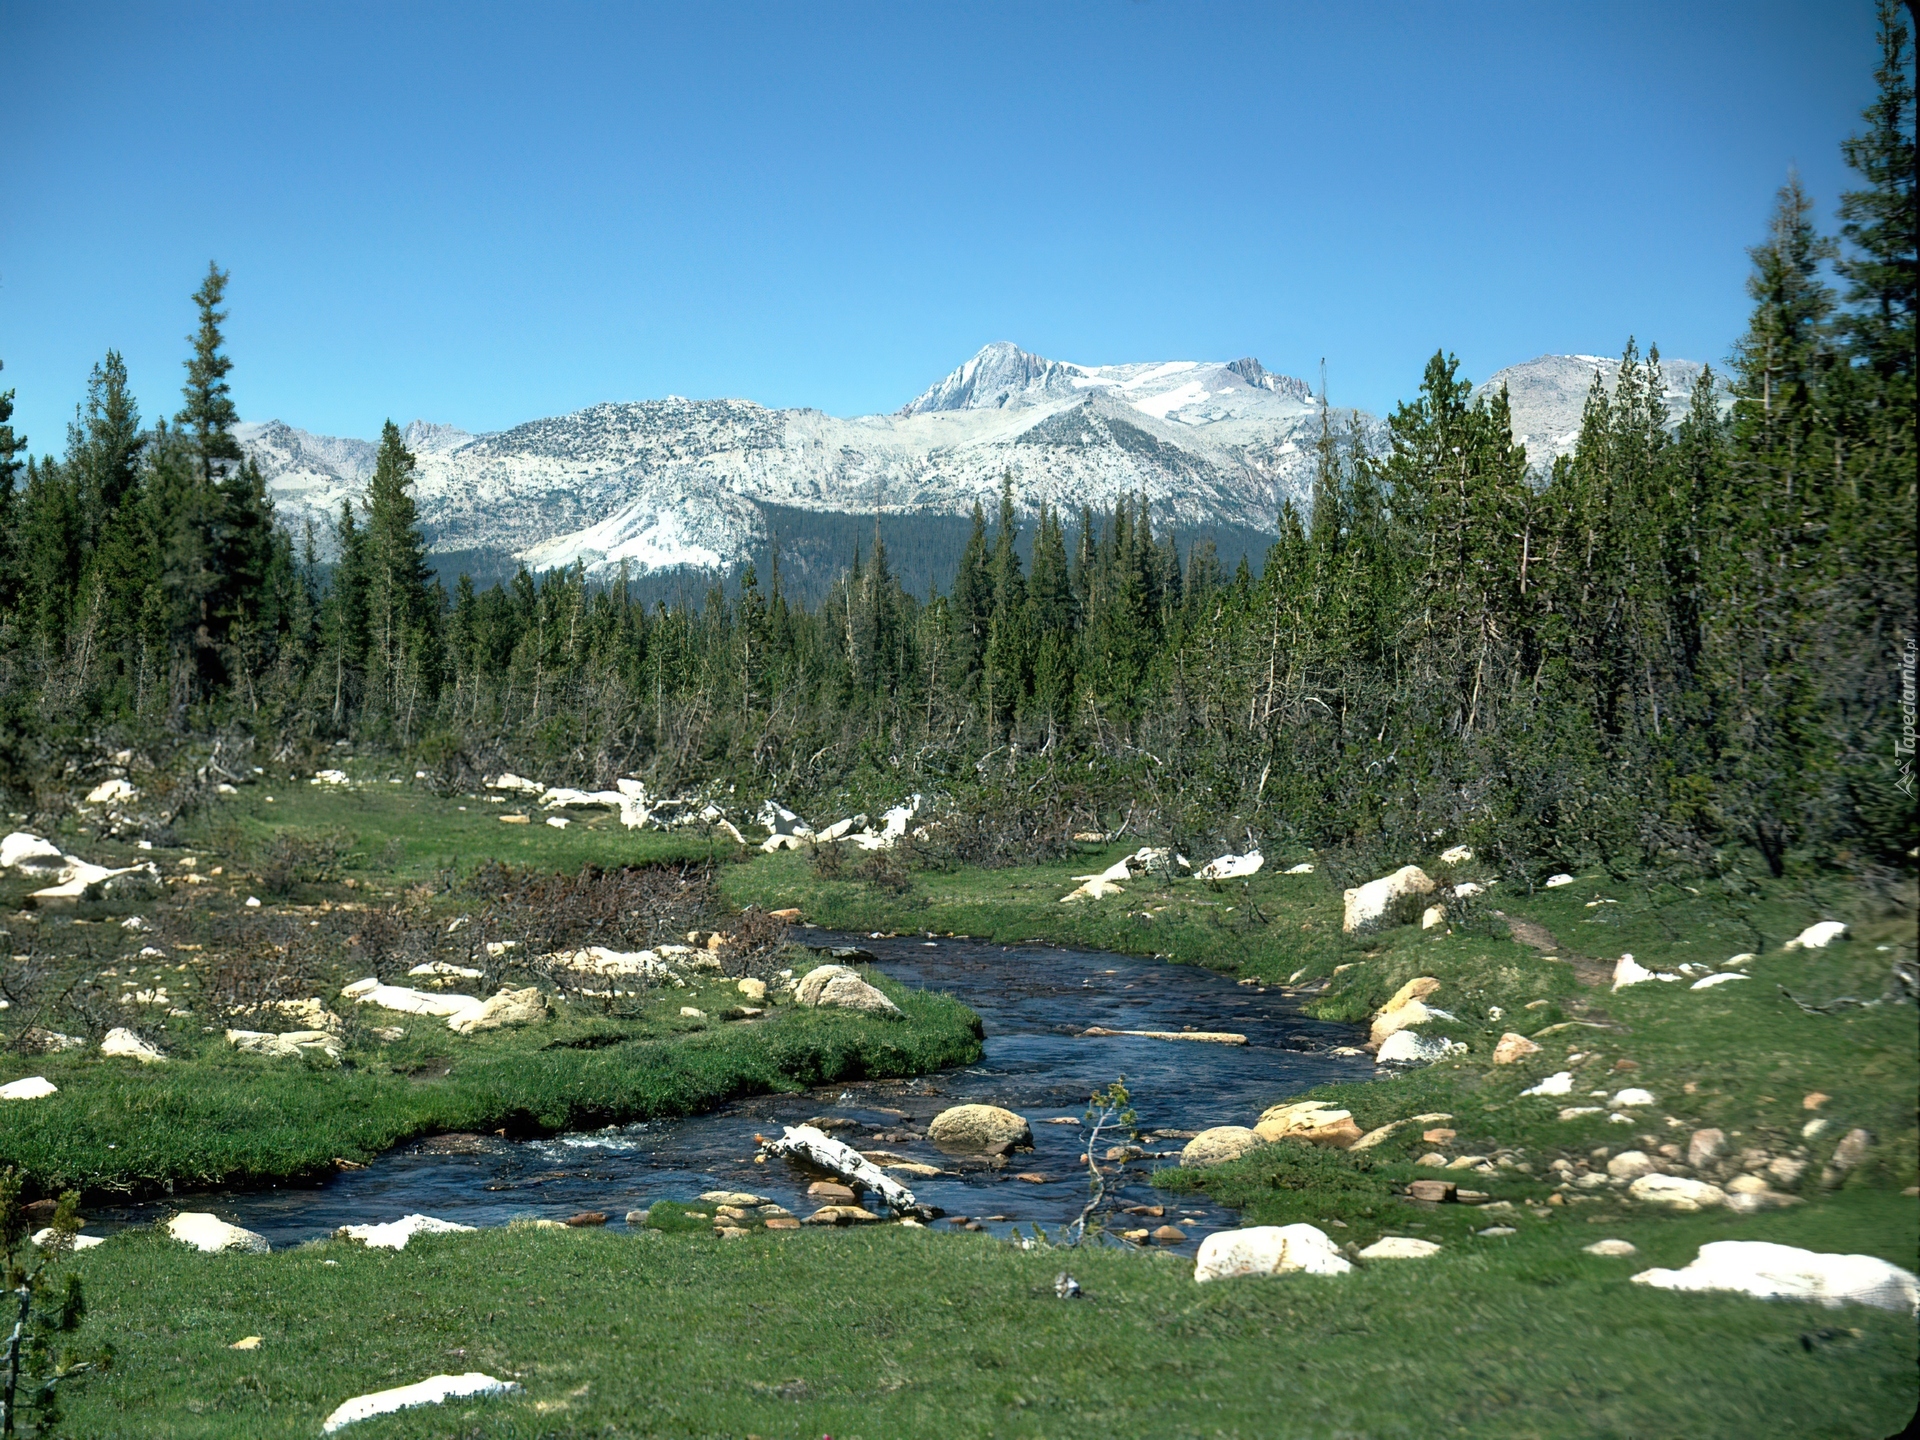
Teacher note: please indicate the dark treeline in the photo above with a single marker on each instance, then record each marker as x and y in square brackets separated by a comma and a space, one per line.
[1680, 640]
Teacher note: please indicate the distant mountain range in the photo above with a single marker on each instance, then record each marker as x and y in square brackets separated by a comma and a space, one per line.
[676, 486]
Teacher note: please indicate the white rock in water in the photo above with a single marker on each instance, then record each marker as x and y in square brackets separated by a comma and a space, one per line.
[838, 986]
[123, 1043]
[1399, 1247]
[1558, 1083]
[1458, 855]
[1218, 1145]
[395, 1233]
[975, 1127]
[1406, 1048]
[1232, 867]
[34, 1087]
[1785, 1272]
[1554, 882]
[434, 1390]
[213, 1235]
[1713, 980]
[525, 1006]
[1676, 1192]
[1268, 1250]
[1395, 899]
[1816, 937]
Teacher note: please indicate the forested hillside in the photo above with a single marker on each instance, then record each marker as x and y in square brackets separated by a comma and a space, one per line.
[1678, 643]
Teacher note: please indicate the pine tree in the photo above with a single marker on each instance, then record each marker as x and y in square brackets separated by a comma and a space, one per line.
[209, 416]
[402, 670]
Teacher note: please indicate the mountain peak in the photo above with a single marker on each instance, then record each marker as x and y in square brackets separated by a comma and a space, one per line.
[999, 374]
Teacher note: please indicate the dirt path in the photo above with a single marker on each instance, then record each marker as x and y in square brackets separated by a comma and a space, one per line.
[1588, 971]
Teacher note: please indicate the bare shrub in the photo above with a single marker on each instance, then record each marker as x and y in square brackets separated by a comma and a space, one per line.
[293, 858]
[829, 861]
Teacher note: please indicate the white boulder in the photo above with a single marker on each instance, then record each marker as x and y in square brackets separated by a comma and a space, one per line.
[1817, 937]
[1633, 1096]
[1458, 855]
[1554, 882]
[1558, 1083]
[1232, 867]
[211, 1234]
[34, 1087]
[836, 986]
[1268, 1250]
[411, 1002]
[1218, 1145]
[525, 1006]
[1713, 980]
[1786, 1272]
[112, 792]
[286, 1045]
[31, 853]
[80, 1242]
[434, 1390]
[1406, 1048]
[1395, 899]
[1677, 1192]
[1094, 889]
[126, 1045]
[395, 1233]
[1611, 1247]
[1399, 1247]
[1305, 867]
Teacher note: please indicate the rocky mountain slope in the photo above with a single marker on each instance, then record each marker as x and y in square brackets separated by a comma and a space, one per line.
[676, 483]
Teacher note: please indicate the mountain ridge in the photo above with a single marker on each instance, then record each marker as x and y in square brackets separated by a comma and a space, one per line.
[675, 483]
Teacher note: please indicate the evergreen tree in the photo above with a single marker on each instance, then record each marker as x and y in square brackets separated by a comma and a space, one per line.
[208, 417]
[402, 664]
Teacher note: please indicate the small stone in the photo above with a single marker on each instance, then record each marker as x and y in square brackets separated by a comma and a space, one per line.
[1169, 1235]
[1627, 1098]
[250, 1342]
[1399, 1247]
[830, 1192]
[754, 990]
[1630, 1165]
[692, 1012]
[125, 1044]
[1705, 1145]
[733, 1197]
[783, 1222]
[1497, 1230]
[1677, 1193]
[840, 1215]
[731, 1232]
[636, 1217]
[1851, 1150]
[1031, 1177]
[1814, 1101]
[587, 1217]
[1438, 1191]
[1513, 1047]
[1433, 1161]
[1611, 1247]
[1437, 1137]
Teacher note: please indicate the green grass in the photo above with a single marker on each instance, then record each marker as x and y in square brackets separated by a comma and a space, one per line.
[403, 834]
[210, 1116]
[228, 1119]
[895, 1332]
[1740, 1057]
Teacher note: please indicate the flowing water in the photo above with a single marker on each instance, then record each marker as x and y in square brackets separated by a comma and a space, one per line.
[1033, 1000]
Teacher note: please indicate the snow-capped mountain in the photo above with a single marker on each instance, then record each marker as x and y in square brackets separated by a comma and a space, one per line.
[1548, 395]
[676, 483]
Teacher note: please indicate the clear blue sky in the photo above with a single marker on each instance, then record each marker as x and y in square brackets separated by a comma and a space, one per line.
[481, 214]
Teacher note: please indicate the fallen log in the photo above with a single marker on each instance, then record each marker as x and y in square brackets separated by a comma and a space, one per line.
[1211, 1037]
[820, 1150]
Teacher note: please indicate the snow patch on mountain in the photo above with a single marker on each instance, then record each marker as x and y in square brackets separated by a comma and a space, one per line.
[1548, 395]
